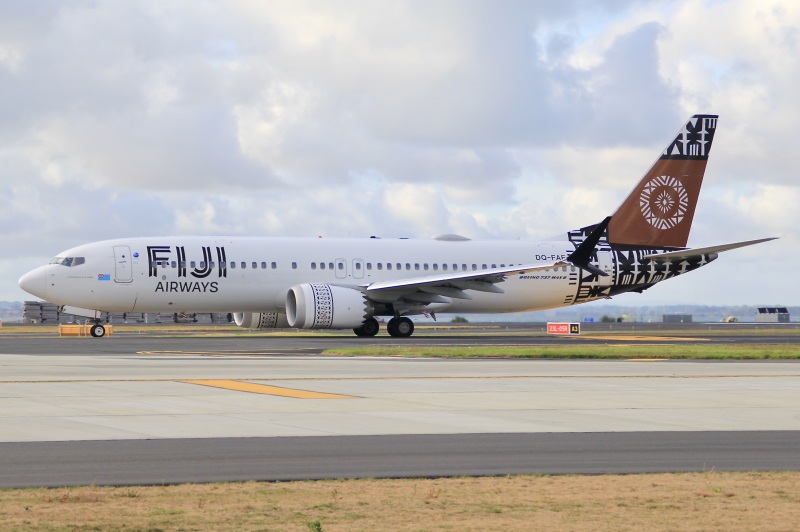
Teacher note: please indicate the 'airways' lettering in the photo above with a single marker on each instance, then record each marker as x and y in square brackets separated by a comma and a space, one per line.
[187, 287]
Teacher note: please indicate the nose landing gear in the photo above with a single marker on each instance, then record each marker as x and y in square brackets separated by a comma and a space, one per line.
[97, 330]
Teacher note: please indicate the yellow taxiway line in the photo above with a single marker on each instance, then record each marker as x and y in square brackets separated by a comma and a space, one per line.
[250, 387]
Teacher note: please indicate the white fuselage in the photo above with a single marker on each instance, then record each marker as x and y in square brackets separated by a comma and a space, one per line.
[186, 274]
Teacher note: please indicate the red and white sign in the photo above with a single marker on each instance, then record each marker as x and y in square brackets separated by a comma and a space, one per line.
[563, 328]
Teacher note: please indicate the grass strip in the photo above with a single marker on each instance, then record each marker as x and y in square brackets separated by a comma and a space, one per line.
[626, 351]
[686, 501]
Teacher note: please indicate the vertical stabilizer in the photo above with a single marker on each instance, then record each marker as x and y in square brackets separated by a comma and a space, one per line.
[659, 211]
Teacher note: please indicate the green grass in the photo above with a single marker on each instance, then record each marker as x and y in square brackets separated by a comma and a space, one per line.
[671, 351]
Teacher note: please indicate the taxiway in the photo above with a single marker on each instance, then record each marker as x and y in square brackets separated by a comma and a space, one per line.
[128, 410]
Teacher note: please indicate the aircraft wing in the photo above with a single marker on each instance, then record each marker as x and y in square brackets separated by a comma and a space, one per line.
[434, 288]
[438, 288]
[693, 252]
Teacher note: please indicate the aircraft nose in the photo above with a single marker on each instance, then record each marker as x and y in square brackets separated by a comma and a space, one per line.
[33, 282]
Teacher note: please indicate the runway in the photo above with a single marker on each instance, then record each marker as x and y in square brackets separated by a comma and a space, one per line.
[128, 410]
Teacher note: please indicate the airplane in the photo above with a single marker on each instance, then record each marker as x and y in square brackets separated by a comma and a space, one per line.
[336, 283]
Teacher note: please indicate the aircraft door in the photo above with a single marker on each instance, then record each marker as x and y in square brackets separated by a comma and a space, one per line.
[358, 268]
[341, 269]
[122, 264]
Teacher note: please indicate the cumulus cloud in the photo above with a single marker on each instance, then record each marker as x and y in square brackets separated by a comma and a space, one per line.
[411, 118]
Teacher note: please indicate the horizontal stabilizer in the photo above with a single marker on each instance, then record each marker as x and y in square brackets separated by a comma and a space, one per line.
[693, 252]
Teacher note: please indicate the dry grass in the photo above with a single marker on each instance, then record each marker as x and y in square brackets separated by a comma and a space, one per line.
[697, 501]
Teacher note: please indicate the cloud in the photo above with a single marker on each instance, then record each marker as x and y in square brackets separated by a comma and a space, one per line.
[391, 118]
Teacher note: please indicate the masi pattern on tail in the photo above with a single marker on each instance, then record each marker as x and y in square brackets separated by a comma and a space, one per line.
[658, 213]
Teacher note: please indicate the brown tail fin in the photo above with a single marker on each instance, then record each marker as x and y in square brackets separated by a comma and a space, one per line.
[659, 211]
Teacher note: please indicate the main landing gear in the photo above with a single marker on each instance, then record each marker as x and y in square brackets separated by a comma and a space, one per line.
[369, 328]
[97, 330]
[401, 327]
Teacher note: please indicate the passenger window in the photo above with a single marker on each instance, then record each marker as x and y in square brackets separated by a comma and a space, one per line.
[274, 265]
[202, 265]
[380, 265]
[330, 265]
[294, 265]
[408, 266]
[244, 265]
[483, 266]
[233, 265]
[263, 265]
[358, 265]
[175, 264]
[436, 267]
[313, 265]
[369, 266]
[321, 265]
[255, 265]
[191, 264]
[494, 266]
[340, 265]
[399, 266]
[388, 265]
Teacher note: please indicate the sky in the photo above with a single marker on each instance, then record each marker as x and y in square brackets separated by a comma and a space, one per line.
[493, 120]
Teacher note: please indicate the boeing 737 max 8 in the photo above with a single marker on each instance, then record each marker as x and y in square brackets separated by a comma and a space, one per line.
[323, 283]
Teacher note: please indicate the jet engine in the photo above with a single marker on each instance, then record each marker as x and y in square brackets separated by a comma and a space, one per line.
[260, 320]
[323, 306]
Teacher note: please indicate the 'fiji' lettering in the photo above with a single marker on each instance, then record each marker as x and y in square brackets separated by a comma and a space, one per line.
[160, 257]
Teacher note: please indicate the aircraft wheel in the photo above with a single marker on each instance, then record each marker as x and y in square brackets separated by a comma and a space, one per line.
[369, 328]
[400, 327]
[97, 330]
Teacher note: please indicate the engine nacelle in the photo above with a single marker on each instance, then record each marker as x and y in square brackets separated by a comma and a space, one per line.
[260, 320]
[323, 306]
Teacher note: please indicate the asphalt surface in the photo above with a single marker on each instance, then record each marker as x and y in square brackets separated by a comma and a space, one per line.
[148, 462]
[315, 343]
[123, 410]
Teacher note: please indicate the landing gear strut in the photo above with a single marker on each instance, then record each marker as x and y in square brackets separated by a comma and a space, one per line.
[97, 330]
[369, 328]
[400, 327]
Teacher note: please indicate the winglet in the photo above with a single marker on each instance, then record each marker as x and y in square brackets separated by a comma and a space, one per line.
[582, 256]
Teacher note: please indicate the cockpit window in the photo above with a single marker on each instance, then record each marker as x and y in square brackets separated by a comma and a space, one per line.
[68, 261]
